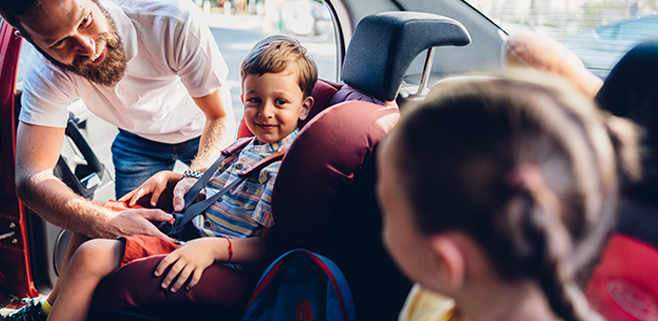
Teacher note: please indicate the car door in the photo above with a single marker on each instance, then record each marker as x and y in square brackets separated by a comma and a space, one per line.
[32, 255]
[15, 276]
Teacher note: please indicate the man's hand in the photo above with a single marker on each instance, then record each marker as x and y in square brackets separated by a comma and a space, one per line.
[180, 190]
[137, 222]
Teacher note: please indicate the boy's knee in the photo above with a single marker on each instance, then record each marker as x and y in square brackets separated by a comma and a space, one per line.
[98, 256]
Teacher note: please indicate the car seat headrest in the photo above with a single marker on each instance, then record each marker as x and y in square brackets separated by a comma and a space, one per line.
[385, 44]
[630, 91]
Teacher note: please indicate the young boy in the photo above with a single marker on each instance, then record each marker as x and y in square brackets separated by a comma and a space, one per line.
[277, 81]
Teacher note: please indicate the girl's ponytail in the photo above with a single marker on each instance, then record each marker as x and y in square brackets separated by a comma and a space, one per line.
[538, 237]
[545, 261]
[624, 137]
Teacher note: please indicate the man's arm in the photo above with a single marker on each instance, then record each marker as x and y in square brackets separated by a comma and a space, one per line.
[37, 151]
[217, 134]
[218, 131]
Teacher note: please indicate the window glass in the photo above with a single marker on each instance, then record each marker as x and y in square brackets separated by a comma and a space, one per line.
[237, 25]
[598, 31]
[606, 32]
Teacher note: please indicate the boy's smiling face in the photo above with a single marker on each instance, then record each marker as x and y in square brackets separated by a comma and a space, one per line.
[273, 103]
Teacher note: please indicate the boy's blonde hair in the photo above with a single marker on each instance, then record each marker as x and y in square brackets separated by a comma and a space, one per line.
[276, 54]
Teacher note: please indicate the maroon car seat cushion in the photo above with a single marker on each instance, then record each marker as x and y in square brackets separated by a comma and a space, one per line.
[348, 93]
[135, 285]
[322, 93]
[322, 161]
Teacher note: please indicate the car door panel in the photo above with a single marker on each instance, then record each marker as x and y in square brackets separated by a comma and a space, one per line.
[15, 262]
[30, 259]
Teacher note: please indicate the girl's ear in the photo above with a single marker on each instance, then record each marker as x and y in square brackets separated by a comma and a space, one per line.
[449, 261]
[307, 104]
[242, 98]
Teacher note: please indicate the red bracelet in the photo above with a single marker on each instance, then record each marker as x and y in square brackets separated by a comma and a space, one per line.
[230, 250]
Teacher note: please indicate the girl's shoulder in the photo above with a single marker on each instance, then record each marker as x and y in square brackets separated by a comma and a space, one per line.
[424, 305]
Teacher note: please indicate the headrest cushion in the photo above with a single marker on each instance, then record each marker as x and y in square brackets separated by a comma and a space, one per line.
[384, 45]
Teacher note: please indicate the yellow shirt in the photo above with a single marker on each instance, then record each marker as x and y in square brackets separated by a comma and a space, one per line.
[425, 305]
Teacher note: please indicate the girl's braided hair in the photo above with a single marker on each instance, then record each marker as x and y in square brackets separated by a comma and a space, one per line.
[531, 171]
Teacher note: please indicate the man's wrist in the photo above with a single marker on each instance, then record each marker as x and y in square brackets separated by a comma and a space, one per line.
[191, 173]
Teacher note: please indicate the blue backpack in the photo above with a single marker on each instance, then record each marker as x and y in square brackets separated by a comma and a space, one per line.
[304, 286]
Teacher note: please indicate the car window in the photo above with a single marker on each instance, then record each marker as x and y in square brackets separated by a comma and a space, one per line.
[638, 30]
[606, 32]
[599, 32]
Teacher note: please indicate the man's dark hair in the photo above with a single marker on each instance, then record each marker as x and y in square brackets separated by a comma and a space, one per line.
[10, 10]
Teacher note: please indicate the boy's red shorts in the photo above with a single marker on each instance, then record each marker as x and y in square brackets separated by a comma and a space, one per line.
[140, 246]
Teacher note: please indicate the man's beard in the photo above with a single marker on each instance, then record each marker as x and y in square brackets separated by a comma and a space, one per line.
[109, 71]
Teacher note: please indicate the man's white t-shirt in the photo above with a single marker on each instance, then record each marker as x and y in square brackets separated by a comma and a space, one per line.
[172, 57]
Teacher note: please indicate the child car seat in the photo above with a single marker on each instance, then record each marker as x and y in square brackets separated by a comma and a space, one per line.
[323, 197]
[339, 218]
[624, 286]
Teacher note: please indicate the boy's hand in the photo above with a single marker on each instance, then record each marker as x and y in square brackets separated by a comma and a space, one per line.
[187, 262]
[180, 190]
[154, 185]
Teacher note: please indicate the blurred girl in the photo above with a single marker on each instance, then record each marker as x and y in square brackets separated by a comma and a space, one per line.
[499, 194]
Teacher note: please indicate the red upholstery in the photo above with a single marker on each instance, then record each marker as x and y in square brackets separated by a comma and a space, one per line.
[322, 93]
[134, 285]
[324, 200]
[321, 163]
[624, 286]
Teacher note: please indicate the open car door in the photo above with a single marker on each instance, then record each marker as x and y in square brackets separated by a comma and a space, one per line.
[32, 250]
[15, 276]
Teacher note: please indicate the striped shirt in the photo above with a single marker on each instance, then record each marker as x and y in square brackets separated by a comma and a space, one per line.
[246, 209]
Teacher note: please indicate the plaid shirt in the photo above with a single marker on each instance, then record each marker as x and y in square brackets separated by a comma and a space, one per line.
[246, 209]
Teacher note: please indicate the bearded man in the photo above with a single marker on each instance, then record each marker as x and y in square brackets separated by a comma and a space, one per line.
[150, 67]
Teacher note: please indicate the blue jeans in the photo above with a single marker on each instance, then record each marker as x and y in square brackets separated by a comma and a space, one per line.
[136, 159]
